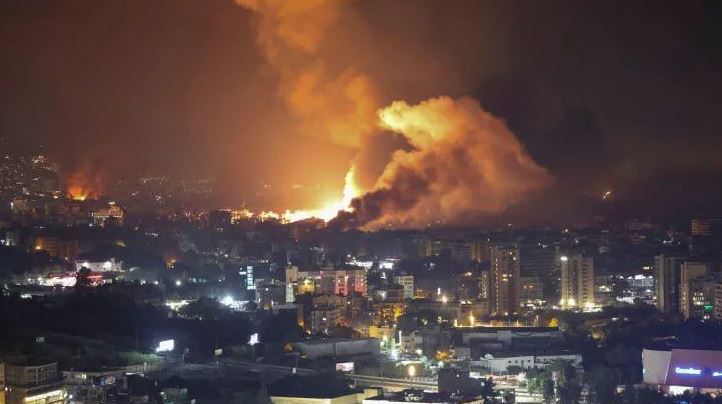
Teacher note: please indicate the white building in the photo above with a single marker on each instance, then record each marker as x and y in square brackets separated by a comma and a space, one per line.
[501, 361]
[109, 265]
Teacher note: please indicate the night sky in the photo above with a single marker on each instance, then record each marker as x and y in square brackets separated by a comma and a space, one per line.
[604, 94]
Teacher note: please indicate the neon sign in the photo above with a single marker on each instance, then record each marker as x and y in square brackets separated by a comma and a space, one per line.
[688, 371]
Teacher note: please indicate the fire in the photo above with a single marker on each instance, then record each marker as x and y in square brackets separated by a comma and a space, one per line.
[82, 185]
[331, 209]
[327, 212]
[78, 193]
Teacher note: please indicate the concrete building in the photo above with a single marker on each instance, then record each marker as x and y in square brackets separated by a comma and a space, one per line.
[2, 383]
[112, 211]
[34, 384]
[531, 291]
[422, 397]
[407, 281]
[678, 370]
[505, 280]
[689, 289]
[506, 336]
[537, 259]
[328, 281]
[99, 265]
[499, 362]
[335, 347]
[577, 288]
[718, 301]
[667, 270]
[350, 398]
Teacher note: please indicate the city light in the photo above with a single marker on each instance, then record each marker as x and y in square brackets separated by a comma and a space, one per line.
[165, 346]
[688, 371]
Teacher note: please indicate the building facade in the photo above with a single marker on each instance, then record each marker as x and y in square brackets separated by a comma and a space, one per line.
[577, 276]
[505, 280]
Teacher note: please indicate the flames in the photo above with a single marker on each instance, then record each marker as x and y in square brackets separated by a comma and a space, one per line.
[327, 212]
[83, 184]
[455, 162]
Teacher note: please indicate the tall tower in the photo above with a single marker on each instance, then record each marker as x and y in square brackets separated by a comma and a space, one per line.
[577, 274]
[668, 280]
[690, 272]
[505, 273]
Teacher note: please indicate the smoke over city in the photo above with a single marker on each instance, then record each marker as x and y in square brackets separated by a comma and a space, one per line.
[453, 159]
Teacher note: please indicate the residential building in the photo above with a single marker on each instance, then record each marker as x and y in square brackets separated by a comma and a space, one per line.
[505, 280]
[667, 269]
[690, 271]
[34, 384]
[577, 286]
[407, 281]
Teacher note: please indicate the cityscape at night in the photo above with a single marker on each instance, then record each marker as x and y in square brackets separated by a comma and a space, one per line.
[360, 201]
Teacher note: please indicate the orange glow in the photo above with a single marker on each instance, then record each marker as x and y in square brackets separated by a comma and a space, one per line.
[331, 209]
[327, 212]
[82, 185]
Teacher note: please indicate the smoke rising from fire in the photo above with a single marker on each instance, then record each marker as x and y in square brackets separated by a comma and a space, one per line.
[445, 159]
[465, 163]
[84, 182]
[341, 104]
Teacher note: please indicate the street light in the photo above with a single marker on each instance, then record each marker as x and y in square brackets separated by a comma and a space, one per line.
[412, 373]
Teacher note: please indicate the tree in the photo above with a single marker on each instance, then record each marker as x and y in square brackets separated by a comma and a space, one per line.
[568, 387]
[487, 388]
[548, 390]
[514, 369]
[604, 384]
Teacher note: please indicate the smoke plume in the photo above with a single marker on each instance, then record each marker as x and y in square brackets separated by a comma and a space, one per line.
[446, 160]
[340, 105]
[465, 163]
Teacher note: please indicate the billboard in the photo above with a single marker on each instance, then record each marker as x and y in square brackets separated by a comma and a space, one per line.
[346, 367]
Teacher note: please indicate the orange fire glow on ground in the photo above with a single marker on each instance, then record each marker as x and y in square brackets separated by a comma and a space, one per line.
[325, 213]
[78, 193]
[82, 184]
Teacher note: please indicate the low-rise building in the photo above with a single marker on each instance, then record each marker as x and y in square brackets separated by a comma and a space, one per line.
[678, 370]
[421, 396]
[334, 347]
[98, 264]
[34, 384]
[499, 362]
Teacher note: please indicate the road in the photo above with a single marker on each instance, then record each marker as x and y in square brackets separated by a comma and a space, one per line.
[275, 372]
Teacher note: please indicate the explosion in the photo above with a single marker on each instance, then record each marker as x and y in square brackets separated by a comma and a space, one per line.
[456, 161]
[81, 184]
[465, 163]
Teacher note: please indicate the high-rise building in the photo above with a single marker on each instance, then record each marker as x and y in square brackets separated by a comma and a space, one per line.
[2, 383]
[505, 273]
[701, 227]
[577, 275]
[407, 281]
[688, 289]
[718, 301]
[484, 284]
[537, 259]
[668, 278]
